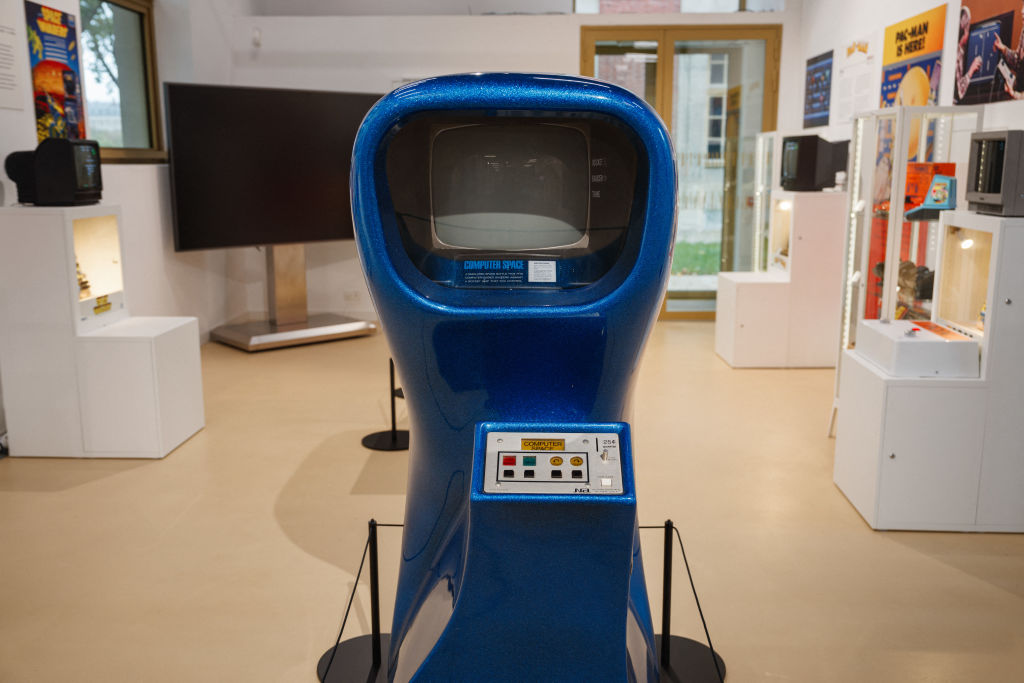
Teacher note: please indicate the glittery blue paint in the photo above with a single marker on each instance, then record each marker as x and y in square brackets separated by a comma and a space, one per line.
[559, 358]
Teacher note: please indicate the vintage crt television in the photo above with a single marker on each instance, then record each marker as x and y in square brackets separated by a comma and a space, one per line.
[59, 172]
[810, 163]
[995, 173]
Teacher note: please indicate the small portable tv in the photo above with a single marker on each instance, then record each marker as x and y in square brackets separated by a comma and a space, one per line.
[995, 173]
[60, 172]
[810, 163]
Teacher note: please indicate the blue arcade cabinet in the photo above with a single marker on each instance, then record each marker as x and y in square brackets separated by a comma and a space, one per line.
[515, 231]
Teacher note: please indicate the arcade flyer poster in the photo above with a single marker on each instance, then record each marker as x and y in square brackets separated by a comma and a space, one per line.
[912, 59]
[818, 90]
[56, 81]
[989, 52]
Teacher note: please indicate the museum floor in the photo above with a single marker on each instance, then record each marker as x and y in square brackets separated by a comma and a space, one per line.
[230, 560]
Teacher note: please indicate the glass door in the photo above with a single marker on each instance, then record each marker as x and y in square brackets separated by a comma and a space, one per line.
[716, 89]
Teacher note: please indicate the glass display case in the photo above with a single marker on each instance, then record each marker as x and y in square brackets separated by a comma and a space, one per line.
[97, 249]
[781, 229]
[764, 165]
[961, 302]
[891, 258]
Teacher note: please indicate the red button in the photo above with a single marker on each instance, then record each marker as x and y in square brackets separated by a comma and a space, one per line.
[508, 460]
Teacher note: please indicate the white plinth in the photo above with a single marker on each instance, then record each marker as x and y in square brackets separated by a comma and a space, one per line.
[81, 376]
[905, 348]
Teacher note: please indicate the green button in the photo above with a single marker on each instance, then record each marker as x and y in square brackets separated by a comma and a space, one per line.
[529, 461]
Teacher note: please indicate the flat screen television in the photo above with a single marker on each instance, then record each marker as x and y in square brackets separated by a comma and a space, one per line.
[995, 173]
[256, 166]
[810, 163]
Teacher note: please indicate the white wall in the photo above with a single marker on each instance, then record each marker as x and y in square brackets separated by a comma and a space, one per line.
[374, 54]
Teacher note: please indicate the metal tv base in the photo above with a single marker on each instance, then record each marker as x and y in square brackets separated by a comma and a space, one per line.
[289, 324]
[261, 335]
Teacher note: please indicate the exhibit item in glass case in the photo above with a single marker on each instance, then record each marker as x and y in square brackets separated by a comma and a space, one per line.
[84, 291]
[995, 176]
[97, 248]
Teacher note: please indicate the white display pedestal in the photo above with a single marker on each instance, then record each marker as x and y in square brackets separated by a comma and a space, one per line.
[788, 315]
[81, 377]
[945, 454]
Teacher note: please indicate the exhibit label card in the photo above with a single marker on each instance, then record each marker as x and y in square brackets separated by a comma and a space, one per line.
[12, 79]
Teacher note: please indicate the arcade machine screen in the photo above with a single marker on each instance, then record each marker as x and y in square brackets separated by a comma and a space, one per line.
[510, 187]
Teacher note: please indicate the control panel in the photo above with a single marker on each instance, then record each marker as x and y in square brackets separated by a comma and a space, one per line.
[553, 462]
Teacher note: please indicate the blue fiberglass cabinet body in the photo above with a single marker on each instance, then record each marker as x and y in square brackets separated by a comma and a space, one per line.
[515, 231]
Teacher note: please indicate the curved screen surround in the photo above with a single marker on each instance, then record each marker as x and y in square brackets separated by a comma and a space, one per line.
[512, 200]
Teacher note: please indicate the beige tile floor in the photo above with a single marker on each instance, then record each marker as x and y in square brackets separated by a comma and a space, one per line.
[230, 560]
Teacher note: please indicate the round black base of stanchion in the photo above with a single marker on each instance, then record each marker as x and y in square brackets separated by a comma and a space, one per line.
[353, 661]
[689, 662]
[397, 440]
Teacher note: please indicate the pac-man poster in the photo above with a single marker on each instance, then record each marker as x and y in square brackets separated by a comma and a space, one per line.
[53, 61]
[912, 59]
[989, 52]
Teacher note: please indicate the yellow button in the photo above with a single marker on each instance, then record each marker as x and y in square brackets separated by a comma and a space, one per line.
[576, 461]
[556, 460]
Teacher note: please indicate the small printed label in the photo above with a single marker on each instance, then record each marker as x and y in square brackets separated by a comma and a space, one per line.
[543, 444]
[102, 304]
[542, 271]
[492, 272]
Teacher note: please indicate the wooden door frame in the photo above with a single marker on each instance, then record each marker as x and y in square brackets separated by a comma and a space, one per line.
[666, 36]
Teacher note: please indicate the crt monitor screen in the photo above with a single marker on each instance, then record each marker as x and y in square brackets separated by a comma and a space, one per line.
[87, 166]
[989, 175]
[790, 158]
[508, 187]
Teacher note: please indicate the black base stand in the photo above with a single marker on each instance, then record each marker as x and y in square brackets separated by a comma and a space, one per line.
[363, 659]
[689, 662]
[394, 439]
[353, 662]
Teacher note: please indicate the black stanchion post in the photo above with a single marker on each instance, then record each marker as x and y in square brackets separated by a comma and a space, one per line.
[375, 591]
[394, 439]
[394, 423]
[666, 598]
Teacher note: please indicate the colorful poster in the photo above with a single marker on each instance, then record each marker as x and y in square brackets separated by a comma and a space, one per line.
[53, 62]
[989, 52]
[912, 59]
[818, 90]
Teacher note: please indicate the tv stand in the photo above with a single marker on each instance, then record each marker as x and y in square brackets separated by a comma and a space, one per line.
[289, 323]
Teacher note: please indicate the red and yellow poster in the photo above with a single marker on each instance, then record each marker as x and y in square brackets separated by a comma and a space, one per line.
[53, 60]
[912, 59]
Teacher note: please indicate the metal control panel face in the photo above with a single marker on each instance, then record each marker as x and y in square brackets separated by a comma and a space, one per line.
[553, 463]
